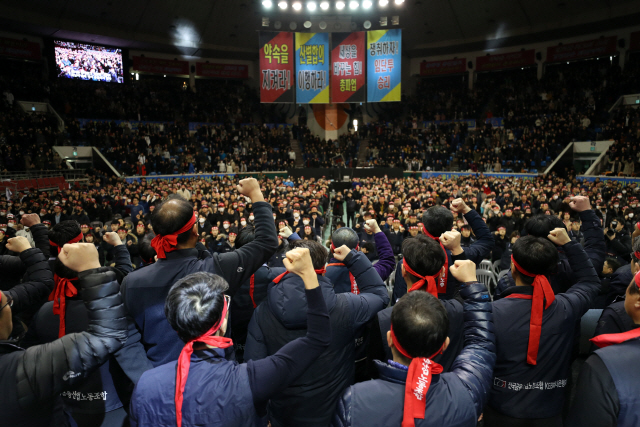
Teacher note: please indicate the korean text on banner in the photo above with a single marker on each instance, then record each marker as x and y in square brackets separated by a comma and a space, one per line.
[384, 56]
[347, 70]
[312, 68]
[276, 67]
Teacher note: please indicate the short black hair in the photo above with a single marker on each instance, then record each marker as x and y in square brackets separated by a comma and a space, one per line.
[466, 227]
[317, 252]
[437, 220]
[420, 324]
[61, 233]
[369, 246]
[542, 225]
[345, 236]
[536, 255]
[246, 235]
[195, 303]
[171, 215]
[146, 251]
[613, 263]
[423, 254]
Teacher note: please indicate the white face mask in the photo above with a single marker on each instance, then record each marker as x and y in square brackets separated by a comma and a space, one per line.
[405, 212]
[555, 197]
[3, 213]
[201, 220]
[226, 226]
[243, 223]
[21, 212]
[631, 215]
[296, 215]
[221, 209]
[250, 217]
[616, 206]
[305, 222]
[274, 216]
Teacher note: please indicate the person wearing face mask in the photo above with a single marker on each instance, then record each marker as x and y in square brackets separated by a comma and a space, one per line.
[216, 218]
[203, 226]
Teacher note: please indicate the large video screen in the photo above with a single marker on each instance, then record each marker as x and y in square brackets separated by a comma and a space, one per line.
[88, 62]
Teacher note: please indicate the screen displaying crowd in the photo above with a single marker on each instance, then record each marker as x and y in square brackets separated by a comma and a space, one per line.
[287, 302]
[88, 62]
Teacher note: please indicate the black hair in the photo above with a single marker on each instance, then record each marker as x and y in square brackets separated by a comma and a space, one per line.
[195, 303]
[369, 246]
[317, 252]
[146, 251]
[345, 236]
[542, 225]
[61, 233]
[171, 215]
[466, 227]
[246, 235]
[437, 220]
[613, 263]
[423, 254]
[536, 255]
[420, 324]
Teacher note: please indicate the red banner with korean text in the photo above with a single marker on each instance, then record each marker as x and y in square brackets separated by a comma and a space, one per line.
[20, 49]
[588, 49]
[523, 58]
[634, 41]
[276, 67]
[348, 78]
[448, 66]
[160, 66]
[222, 71]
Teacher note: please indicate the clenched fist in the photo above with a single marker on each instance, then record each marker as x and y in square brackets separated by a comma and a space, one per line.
[29, 220]
[79, 256]
[249, 187]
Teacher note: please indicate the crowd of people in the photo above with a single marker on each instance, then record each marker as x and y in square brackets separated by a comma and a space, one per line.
[286, 302]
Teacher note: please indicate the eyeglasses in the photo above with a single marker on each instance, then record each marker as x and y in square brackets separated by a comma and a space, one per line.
[9, 303]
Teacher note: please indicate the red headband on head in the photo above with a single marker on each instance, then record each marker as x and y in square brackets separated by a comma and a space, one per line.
[444, 279]
[418, 381]
[184, 361]
[606, 340]
[74, 240]
[432, 288]
[163, 244]
[541, 291]
[63, 289]
[278, 278]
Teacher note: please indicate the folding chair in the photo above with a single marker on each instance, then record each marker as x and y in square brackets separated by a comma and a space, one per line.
[489, 279]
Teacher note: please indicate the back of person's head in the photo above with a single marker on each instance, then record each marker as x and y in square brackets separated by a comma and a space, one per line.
[147, 253]
[345, 236]
[317, 252]
[420, 324]
[246, 235]
[437, 220]
[195, 303]
[369, 247]
[536, 255]
[542, 225]
[423, 255]
[613, 263]
[171, 215]
[62, 233]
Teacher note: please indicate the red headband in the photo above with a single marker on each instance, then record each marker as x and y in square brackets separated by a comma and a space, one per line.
[352, 279]
[430, 280]
[541, 291]
[184, 361]
[163, 244]
[444, 279]
[417, 384]
[278, 278]
[333, 248]
[74, 240]
[63, 289]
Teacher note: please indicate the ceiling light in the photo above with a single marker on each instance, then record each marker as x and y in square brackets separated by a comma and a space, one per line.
[324, 5]
[399, 1]
[383, 3]
[311, 6]
[340, 5]
[353, 5]
[267, 3]
[297, 5]
[307, 24]
[282, 5]
[367, 25]
[366, 4]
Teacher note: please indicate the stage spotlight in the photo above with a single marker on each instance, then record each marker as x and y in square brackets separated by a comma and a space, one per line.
[339, 5]
[267, 4]
[383, 3]
[282, 5]
[324, 5]
[311, 6]
[353, 5]
[399, 1]
[296, 5]
[366, 4]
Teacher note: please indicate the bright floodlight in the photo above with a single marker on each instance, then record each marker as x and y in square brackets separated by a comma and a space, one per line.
[366, 4]
[311, 6]
[399, 1]
[340, 5]
[267, 3]
[383, 3]
[282, 5]
[297, 5]
[353, 5]
[324, 5]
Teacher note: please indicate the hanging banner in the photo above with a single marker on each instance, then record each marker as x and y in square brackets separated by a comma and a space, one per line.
[581, 50]
[438, 68]
[19, 48]
[384, 58]
[347, 70]
[160, 66]
[222, 71]
[312, 68]
[634, 41]
[276, 67]
[523, 58]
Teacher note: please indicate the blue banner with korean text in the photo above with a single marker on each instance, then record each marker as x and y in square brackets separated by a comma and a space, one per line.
[384, 56]
[312, 59]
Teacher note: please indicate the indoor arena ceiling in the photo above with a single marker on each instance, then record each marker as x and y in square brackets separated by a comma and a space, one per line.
[228, 28]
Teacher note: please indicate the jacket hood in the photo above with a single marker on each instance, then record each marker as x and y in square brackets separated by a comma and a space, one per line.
[288, 302]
